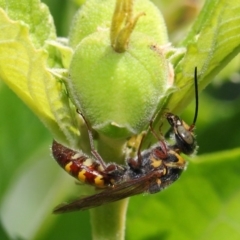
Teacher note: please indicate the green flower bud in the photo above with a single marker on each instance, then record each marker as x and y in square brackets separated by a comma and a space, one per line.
[119, 92]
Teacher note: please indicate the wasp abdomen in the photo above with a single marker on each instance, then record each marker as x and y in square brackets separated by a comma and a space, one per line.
[79, 166]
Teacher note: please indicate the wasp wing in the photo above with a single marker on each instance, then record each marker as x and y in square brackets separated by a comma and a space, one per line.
[121, 191]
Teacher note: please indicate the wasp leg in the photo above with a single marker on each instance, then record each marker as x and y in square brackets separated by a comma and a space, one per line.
[93, 149]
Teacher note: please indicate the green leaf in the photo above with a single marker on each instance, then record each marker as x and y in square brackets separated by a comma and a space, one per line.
[32, 13]
[24, 68]
[216, 41]
[213, 42]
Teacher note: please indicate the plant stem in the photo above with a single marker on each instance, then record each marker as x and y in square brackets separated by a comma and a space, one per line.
[108, 222]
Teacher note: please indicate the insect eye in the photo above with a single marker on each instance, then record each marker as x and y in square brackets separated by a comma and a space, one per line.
[185, 134]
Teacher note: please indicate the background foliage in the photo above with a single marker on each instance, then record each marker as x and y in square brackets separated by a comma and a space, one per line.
[203, 204]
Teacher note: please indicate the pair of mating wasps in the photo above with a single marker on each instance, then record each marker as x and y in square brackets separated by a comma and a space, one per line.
[150, 171]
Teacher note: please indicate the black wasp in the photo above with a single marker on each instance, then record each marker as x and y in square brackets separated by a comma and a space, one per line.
[151, 171]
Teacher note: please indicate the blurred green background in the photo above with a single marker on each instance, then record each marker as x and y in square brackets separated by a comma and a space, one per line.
[203, 204]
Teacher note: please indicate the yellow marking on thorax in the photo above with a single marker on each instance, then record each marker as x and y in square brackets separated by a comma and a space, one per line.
[155, 162]
[180, 163]
[99, 181]
[81, 175]
[68, 167]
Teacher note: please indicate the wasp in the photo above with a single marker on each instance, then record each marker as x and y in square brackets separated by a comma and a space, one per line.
[150, 171]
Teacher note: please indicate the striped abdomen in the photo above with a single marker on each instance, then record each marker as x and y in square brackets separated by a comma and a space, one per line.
[78, 165]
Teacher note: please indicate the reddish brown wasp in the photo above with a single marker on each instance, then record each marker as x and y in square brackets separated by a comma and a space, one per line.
[151, 171]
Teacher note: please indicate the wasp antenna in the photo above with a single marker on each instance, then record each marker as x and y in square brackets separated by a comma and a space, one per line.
[196, 99]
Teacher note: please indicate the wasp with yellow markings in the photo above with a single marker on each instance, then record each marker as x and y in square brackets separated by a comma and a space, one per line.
[151, 171]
